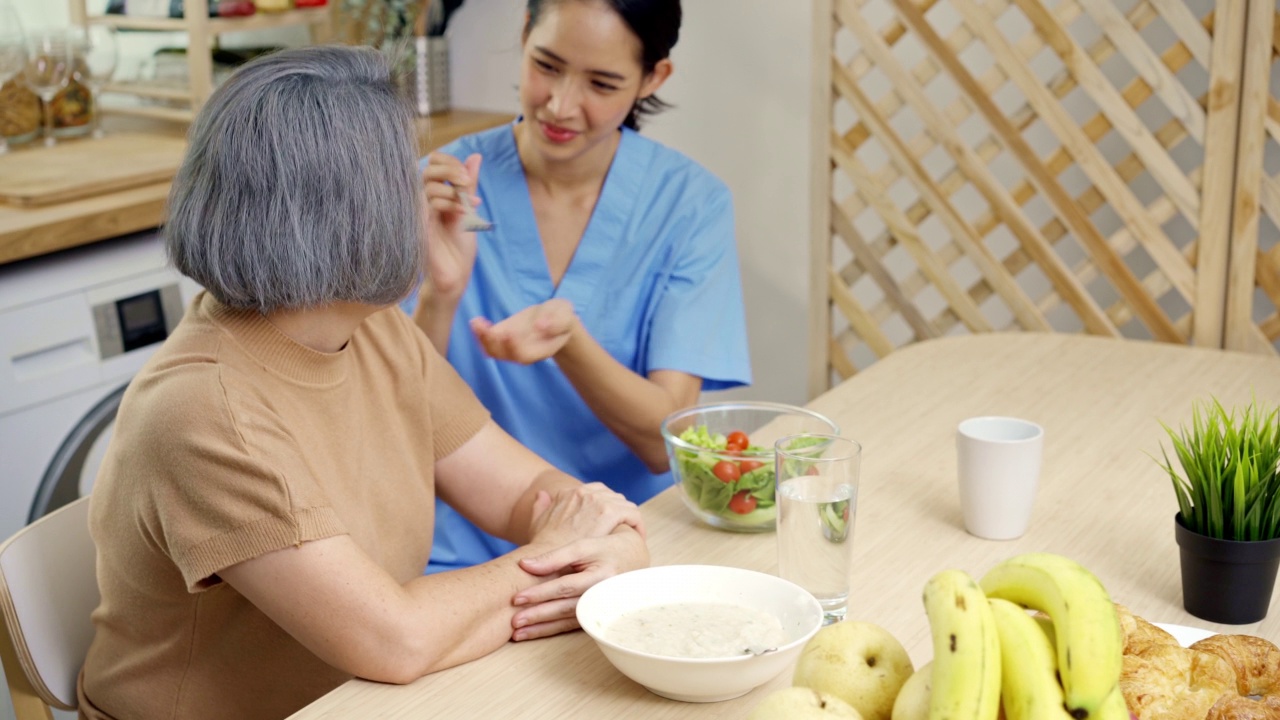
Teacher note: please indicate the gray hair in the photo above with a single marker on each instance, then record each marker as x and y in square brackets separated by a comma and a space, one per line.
[300, 186]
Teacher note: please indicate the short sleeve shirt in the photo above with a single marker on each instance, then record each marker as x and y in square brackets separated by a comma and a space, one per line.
[654, 280]
[234, 441]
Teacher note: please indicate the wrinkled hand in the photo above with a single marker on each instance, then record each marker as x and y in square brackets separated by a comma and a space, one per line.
[451, 252]
[568, 571]
[531, 335]
[583, 511]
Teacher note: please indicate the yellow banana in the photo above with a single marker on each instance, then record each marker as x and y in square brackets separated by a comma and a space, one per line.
[1028, 668]
[966, 649]
[1088, 638]
[1114, 707]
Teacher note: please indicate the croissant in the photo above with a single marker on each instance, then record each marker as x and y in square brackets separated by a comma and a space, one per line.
[1238, 707]
[1139, 635]
[1256, 663]
[1169, 682]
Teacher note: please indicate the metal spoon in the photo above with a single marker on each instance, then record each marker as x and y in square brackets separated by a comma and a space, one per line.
[472, 222]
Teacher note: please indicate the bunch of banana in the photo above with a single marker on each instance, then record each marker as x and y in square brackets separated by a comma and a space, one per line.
[989, 654]
[1089, 642]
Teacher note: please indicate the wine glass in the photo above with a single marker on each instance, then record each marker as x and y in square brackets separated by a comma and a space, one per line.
[13, 52]
[95, 63]
[48, 70]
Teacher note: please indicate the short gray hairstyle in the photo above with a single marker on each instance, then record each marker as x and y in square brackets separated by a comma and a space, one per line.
[300, 185]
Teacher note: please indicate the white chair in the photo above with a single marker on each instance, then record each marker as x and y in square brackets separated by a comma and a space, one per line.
[48, 588]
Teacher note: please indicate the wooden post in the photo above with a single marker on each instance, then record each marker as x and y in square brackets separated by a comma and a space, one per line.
[1241, 332]
[322, 30]
[820, 199]
[1219, 177]
[199, 51]
[79, 16]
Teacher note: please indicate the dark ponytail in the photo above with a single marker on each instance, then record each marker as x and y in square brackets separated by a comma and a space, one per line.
[655, 22]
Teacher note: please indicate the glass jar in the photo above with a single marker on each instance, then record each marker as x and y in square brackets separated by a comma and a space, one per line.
[20, 115]
[72, 110]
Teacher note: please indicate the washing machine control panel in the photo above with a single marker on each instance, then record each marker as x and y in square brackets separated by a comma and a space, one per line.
[136, 321]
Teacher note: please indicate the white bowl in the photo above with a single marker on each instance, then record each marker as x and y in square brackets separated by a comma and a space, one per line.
[700, 679]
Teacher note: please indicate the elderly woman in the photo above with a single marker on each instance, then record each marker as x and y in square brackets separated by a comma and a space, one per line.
[264, 511]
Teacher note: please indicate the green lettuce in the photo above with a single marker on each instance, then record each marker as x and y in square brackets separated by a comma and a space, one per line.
[713, 495]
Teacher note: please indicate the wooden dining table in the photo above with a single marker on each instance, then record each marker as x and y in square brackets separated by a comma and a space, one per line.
[1103, 500]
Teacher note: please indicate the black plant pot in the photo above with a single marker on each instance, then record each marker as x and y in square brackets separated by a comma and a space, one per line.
[1226, 581]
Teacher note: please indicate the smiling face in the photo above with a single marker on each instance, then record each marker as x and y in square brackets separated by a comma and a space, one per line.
[580, 76]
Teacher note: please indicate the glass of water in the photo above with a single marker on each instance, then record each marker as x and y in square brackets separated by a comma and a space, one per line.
[817, 502]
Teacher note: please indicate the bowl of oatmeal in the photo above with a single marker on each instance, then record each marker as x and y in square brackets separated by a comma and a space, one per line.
[699, 633]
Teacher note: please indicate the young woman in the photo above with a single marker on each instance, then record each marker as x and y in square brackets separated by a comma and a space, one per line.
[607, 295]
[264, 510]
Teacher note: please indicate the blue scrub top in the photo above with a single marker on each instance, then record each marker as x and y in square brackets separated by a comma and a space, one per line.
[654, 280]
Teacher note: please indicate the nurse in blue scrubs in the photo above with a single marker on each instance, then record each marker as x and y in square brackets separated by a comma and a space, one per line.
[607, 294]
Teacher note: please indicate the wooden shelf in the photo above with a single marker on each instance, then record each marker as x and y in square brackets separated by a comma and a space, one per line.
[202, 32]
[150, 90]
[217, 26]
[155, 112]
[29, 232]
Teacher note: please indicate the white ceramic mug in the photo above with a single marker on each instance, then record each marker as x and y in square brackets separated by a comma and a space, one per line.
[999, 468]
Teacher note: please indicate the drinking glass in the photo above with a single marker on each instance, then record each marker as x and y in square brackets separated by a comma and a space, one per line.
[48, 70]
[96, 56]
[13, 51]
[817, 503]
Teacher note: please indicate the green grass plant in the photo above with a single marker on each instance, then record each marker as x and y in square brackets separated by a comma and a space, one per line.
[1229, 487]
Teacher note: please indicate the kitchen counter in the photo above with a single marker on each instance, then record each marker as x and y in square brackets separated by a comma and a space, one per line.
[28, 232]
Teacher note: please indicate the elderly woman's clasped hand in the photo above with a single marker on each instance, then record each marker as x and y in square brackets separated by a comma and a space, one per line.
[583, 535]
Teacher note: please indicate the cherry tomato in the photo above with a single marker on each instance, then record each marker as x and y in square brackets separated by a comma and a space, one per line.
[747, 466]
[726, 471]
[732, 452]
[737, 439]
[743, 502]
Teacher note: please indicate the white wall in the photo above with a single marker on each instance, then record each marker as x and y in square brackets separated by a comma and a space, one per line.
[742, 96]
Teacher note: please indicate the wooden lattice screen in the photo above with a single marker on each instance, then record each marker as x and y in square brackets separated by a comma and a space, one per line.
[1039, 165]
[1253, 296]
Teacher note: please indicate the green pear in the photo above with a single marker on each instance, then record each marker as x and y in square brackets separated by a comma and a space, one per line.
[913, 698]
[798, 703]
[859, 662]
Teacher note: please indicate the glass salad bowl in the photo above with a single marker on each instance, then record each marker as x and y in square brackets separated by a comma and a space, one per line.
[721, 458]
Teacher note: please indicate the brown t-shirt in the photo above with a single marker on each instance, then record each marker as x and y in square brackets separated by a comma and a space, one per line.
[235, 441]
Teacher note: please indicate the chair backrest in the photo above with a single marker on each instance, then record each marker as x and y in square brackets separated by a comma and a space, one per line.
[48, 589]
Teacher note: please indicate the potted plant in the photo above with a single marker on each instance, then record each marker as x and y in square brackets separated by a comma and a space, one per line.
[1228, 521]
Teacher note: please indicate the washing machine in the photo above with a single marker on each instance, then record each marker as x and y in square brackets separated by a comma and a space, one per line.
[75, 327]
